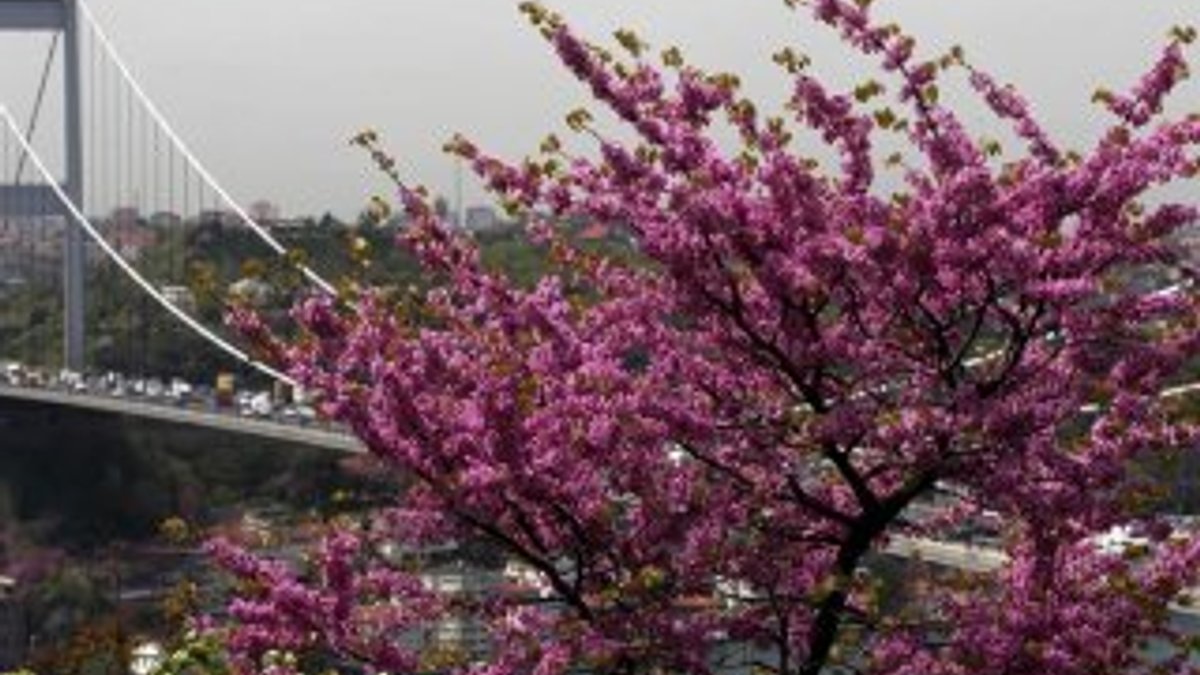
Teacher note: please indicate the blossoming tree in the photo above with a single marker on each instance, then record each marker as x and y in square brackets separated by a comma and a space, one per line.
[711, 447]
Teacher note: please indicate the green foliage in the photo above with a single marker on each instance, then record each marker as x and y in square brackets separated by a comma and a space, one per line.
[198, 654]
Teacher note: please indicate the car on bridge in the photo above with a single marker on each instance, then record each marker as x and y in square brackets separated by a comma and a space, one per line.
[179, 391]
[257, 404]
[72, 381]
[14, 374]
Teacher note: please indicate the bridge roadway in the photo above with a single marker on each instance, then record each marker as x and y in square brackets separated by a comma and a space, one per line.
[231, 421]
[984, 559]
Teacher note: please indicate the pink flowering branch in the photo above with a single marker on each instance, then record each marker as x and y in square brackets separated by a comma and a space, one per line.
[346, 605]
[1145, 101]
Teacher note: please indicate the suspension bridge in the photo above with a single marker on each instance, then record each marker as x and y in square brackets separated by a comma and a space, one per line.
[104, 222]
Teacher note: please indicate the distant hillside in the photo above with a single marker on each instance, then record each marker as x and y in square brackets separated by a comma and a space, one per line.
[77, 480]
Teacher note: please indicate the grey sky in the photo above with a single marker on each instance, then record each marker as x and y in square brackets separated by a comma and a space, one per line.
[268, 91]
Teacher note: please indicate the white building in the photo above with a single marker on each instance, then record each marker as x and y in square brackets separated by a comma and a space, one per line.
[481, 218]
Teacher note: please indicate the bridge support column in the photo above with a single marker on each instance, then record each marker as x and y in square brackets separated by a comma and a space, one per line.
[74, 249]
[62, 16]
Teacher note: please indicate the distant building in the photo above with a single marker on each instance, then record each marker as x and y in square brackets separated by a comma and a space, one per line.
[264, 213]
[1188, 241]
[164, 219]
[254, 291]
[481, 219]
[180, 296]
[441, 209]
[124, 217]
[130, 240]
[218, 218]
[291, 224]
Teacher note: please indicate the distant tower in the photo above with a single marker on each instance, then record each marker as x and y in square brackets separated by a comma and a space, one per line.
[60, 16]
[459, 219]
[264, 212]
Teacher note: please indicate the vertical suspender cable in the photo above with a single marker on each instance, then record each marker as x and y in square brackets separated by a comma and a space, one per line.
[137, 148]
[144, 159]
[122, 149]
[48, 343]
[159, 119]
[100, 136]
[29, 235]
[171, 208]
[185, 205]
[130, 142]
[131, 271]
[90, 157]
[31, 127]
[155, 183]
[5, 149]
[138, 178]
[111, 136]
[5, 206]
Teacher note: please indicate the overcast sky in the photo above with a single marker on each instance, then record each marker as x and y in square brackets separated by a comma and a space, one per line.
[268, 91]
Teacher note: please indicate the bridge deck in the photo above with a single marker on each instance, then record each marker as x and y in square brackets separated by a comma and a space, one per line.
[983, 559]
[316, 437]
[32, 15]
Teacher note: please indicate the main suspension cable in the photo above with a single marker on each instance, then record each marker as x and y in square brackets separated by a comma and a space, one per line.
[191, 158]
[129, 269]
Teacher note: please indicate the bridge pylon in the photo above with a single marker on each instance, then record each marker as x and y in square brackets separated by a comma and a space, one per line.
[60, 16]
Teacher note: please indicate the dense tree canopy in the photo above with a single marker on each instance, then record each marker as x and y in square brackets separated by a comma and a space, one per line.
[706, 448]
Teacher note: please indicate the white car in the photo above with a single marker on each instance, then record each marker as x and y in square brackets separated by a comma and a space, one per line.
[14, 374]
[179, 391]
[1119, 540]
[262, 405]
[72, 381]
[155, 388]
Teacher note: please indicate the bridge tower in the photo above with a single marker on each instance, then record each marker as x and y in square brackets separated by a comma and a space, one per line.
[60, 16]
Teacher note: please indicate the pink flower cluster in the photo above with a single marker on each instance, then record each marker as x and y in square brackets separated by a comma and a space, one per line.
[332, 605]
